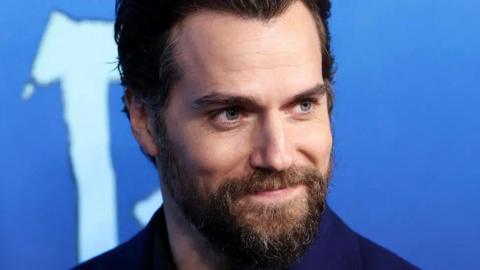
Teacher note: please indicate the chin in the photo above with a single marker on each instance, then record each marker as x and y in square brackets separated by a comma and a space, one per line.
[271, 218]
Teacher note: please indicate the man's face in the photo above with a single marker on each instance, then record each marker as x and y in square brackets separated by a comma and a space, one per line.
[247, 125]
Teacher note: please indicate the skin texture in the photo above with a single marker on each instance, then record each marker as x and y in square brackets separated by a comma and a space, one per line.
[261, 68]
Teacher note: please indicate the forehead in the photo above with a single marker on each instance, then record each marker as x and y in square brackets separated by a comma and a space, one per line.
[228, 52]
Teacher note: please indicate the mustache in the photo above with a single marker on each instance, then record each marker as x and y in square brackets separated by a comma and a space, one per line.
[263, 180]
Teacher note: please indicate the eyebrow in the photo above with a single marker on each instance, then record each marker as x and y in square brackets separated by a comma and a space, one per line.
[219, 100]
[317, 90]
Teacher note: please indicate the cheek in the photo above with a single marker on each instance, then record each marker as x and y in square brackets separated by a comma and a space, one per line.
[314, 143]
[211, 156]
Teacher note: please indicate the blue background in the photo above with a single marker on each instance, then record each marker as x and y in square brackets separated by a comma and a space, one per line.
[406, 128]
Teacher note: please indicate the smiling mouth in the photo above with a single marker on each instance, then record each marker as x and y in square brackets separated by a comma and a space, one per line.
[277, 195]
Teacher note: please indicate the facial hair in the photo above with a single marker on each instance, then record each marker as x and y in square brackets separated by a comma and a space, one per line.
[250, 235]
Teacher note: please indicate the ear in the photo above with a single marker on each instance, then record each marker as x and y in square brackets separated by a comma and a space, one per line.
[140, 124]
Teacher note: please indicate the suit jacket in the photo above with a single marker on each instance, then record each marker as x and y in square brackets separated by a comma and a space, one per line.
[336, 247]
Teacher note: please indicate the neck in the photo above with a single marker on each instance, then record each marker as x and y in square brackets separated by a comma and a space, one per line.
[189, 248]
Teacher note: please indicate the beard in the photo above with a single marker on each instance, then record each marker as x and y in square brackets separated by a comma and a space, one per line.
[249, 234]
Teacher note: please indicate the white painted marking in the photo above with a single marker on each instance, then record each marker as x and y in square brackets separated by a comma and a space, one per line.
[79, 54]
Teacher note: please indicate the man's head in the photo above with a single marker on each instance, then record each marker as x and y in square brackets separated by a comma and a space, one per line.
[232, 99]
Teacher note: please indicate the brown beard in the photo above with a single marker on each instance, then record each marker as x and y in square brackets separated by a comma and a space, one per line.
[250, 235]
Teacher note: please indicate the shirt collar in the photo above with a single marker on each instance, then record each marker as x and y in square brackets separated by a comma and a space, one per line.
[335, 247]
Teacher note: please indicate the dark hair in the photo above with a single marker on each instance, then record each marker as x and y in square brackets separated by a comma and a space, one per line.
[144, 35]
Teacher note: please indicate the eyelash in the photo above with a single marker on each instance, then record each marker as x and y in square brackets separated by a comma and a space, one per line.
[216, 113]
[314, 102]
[213, 116]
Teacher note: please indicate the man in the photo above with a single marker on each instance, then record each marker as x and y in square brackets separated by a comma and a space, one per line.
[231, 100]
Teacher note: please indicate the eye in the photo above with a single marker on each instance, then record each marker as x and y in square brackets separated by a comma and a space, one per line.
[227, 117]
[305, 105]
[231, 114]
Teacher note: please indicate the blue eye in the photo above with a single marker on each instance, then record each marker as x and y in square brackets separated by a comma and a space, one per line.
[232, 114]
[305, 105]
[227, 117]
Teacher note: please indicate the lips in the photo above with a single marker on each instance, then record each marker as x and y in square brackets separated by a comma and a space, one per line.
[271, 191]
[276, 195]
[271, 188]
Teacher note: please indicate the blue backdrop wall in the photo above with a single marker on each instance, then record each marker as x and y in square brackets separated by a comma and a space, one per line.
[73, 182]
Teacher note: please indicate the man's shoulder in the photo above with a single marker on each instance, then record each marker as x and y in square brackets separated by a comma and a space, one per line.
[376, 257]
[136, 253]
[132, 254]
[338, 247]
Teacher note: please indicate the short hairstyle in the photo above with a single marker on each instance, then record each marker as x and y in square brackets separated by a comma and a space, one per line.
[145, 39]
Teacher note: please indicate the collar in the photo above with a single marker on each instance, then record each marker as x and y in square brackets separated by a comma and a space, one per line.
[162, 255]
[335, 247]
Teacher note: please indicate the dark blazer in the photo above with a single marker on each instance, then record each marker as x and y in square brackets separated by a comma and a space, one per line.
[337, 247]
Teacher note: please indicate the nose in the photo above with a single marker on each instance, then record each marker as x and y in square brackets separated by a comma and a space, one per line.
[272, 149]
